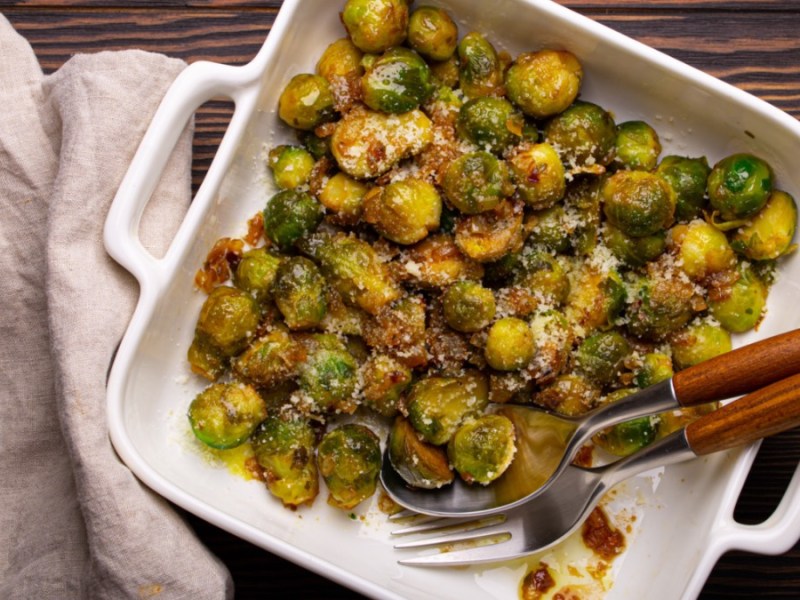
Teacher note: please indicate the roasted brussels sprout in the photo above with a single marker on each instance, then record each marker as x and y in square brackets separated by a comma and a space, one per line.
[317, 146]
[768, 235]
[539, 174]
[291, 166]
[739, 185]
[225, 414]
[432, 33]
[398, 81]
[385, 379]
[205, 358]
[553, 336]
[490, 123]
[284, 447]
[436, 262]
[481, 72]
[595, 299]
[509, 344]
[638, 203]
[438, 405]
[585, 135]
[654, 368]
[468, 306]
[544, 83]
[270, 360]
[368, 143]
[419, 463]
[701, 248]
[482, 448]
[476, 182]
[544, 276]
[228, 318]
[404, 211]
[349, 460]
[354, 269]
[306, 102]
[489, 235]
[698, 342]
[601, 356]
[299, 292]
[399, 330]
[637, 146]
[446, 73]
[569, 394]
[256, 271]
[329, 376]
[344, 197]
[659, 305]
[341, 58]
[550, 229]
[687, 176]
[634, 251]
[290, 215]
[739, 307]
[626, 438]
[376, 25]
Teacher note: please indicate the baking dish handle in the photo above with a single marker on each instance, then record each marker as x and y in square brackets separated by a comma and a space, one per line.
[776, 535]
[196, 84]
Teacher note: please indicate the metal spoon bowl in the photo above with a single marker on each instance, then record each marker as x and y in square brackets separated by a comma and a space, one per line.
[547, 442]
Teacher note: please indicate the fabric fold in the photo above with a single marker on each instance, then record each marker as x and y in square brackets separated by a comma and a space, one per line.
[75, 522]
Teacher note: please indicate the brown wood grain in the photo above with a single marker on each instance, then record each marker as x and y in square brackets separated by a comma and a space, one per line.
[768, 411]
[748, 43]
[744, 370]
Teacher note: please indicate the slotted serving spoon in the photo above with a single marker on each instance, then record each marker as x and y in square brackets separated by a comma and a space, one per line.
[547, 443]
[563, 506]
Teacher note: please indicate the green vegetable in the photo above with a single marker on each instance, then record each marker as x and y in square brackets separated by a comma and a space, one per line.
[544, 83]
[289, 216]
[638, 203]
[538, 174]
[349, 460]
[468, 306]
[687, 176]
[404, 211]
[438, 405]
[482, 448]
[284, 447]
[637, 146]
[291, 166]
[376, 25]
[397, 82]
[768, 235]
[509, 345]
[432, 33]
[419, 463]
[225, 414]
[476, 182]
[306, 102]
[299, 292]
[490, 123]
[739, 186]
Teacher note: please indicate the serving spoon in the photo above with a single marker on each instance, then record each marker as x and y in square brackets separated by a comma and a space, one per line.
[565, 505]
[547, 442]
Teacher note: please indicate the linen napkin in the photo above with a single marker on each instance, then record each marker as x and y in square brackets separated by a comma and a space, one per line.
[74, 522]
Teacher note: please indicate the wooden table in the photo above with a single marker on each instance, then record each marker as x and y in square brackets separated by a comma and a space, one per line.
[752, 44]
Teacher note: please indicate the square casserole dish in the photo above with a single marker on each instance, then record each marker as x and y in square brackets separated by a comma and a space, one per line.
[684, 526]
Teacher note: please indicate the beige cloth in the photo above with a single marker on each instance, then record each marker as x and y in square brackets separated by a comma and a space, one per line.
[74, 522]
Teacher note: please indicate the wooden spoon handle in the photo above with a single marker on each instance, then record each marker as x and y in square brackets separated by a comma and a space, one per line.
[740, 371]
[765, 412]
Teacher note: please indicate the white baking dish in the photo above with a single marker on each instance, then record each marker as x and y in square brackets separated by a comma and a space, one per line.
[684, 527]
